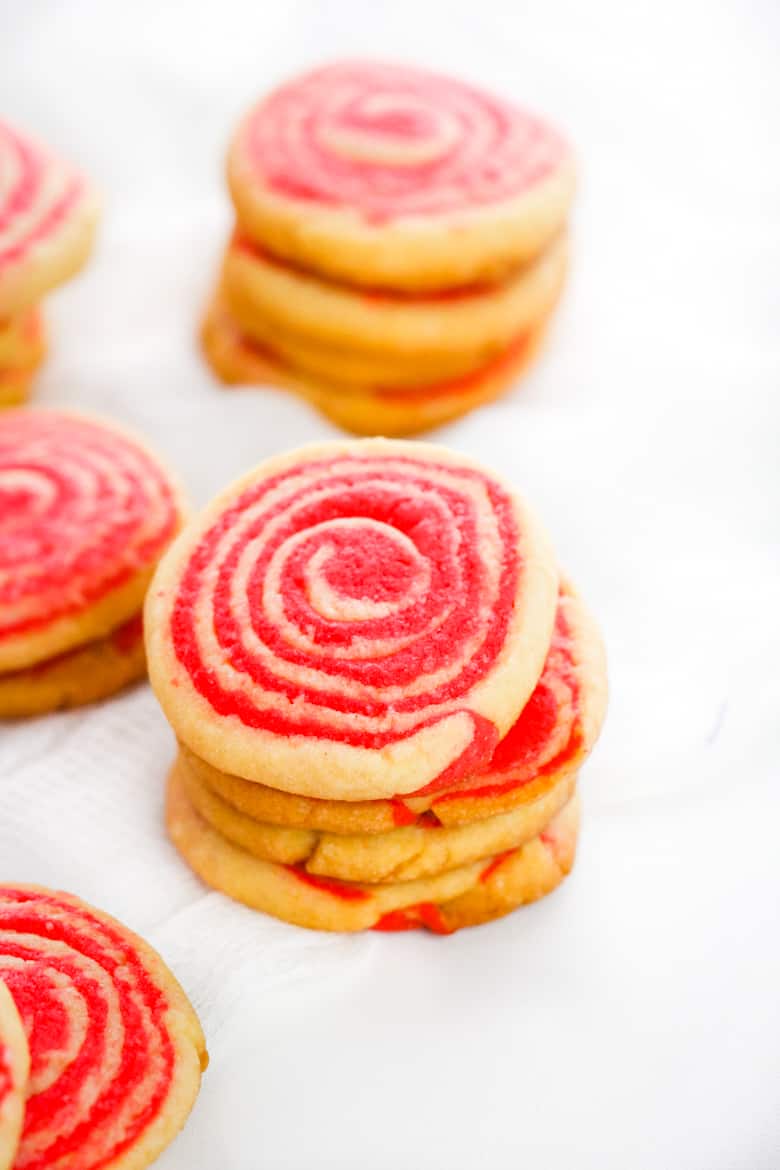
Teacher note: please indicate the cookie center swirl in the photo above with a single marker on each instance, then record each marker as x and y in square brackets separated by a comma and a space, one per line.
[387, 141]
[357, 599]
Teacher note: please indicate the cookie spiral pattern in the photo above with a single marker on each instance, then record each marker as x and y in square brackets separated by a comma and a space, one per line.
[83, 511]
[365, 597]
[116, 1050]
[14, 1070]
[389, 142]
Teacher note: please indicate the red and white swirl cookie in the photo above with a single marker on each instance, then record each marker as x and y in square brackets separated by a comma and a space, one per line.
[85, 514]
[545, 747]
[116, 1048]
[14, 1071]
[48, 214]
[353, 620]
[392, 176]
[443, 901]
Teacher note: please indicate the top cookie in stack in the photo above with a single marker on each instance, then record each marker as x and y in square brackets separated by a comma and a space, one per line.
[48, 214]
[382, 691]
[399, 245]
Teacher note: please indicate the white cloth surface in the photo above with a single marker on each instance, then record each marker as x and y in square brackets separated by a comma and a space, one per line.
[629, 1022]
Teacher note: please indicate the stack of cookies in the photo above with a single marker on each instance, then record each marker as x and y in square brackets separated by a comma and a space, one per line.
[48, 215]
[382, 691]
[85, 514]
[399, 245]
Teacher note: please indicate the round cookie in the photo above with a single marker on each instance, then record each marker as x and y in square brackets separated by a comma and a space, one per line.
[77, 677]
[22, 340]
[14, 1071]
[116, 1048]
[392, 412]
[352, 620]
[264, 295]
[48, 215]
[395, 177]
[400, 854]
[548, 742]
[290, 893]
[85, 513]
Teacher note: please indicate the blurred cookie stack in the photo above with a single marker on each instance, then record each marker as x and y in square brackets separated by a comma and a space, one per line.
[48, 215]
[399, 246]
[382, 691]
[85, 514]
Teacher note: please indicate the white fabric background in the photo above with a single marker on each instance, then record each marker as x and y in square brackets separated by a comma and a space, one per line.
[630, 1021]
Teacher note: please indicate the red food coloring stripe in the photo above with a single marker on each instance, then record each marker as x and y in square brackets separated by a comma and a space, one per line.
[82, 510]
[147, 1054]
[334, 135]
[398, 516]
[425, 914]
[495, 864]
[6, 1073]
[328, 885]
[127, 636]
[521, 756]
[401, 814]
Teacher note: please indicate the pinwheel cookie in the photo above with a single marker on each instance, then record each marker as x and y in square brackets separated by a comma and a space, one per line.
[85, 514]
[116, 1048]
[386, 410]
[14, 1071]
[48, 214]
[353, 621]
[445, 901]
[389, 176]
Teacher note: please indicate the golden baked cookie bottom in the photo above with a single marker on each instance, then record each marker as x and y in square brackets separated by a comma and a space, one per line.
[236, 360]
[466, 895]
[84, 675]
[400, 854]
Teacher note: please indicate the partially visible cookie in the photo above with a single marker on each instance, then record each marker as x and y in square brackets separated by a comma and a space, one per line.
[117, 1050]
[76, 677]
[48, 214]
[390, 176]
[85, 513]
[291, 893]
[14, 1071]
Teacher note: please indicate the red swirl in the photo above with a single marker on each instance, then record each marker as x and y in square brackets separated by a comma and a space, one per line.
[546, 735]
[102, 1058]
[82, 509]
[358, 598]
[390, 141]
[37, 195]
